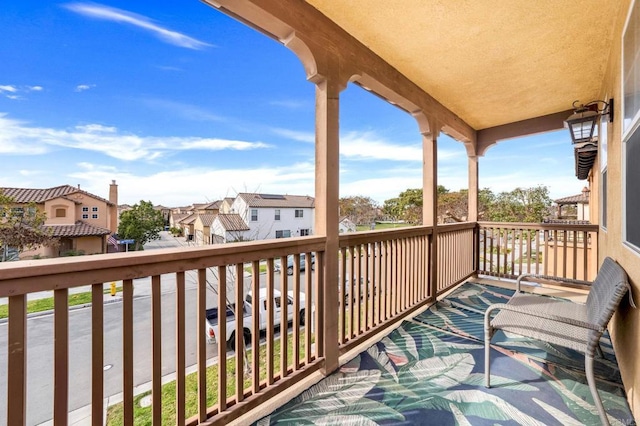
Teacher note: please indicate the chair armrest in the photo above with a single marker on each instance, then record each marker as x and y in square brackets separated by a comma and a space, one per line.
[551, 280]
[538, 314]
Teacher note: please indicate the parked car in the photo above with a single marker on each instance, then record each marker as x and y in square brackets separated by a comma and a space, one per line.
[212, 315]
[303, 263]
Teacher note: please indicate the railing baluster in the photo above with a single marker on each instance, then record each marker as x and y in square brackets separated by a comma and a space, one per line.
[344, 297]
[180, 348]
[239, 333]
[357, 278]
[368, 307]
[127, 351]
[319, 306]
[222, 338]
[255, 325]
[308, 292]
[575, 255]
[97, 354]
[270, 322]
[296, 310]
[17, 361]
[284, 312]
[61, 357]
[201, 346]
[156, 350]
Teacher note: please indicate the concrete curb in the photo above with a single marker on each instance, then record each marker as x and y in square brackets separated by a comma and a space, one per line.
[112, 299]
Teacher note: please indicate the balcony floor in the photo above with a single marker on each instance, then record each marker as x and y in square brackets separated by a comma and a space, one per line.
[430, 370]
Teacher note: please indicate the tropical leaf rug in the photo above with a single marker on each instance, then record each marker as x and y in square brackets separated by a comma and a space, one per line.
[430, 371]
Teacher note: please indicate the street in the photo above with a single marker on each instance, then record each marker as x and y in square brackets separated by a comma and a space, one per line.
[40, 344]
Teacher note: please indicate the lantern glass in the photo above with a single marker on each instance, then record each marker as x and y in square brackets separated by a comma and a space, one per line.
[582, 125]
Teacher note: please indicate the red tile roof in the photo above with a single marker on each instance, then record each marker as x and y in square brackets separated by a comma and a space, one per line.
[32, 195]
[232, 222]
[79, 229]
[207, 219]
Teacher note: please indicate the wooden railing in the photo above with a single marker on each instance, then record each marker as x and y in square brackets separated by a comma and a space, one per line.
[565, 251]
[455, 254]
[249, 377]
[383, 276]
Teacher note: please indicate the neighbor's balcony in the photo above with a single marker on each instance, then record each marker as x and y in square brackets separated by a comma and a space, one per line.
[157, 334]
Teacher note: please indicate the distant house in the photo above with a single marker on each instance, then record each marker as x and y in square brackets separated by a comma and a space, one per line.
[188, 226]
[225, 205]
[274, 215]
[574, 207]
[166, 212]
[80, 220]
[346, 225]
[202, 228]
[228, 228]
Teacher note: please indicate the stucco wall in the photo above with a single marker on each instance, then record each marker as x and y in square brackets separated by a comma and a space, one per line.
[89, 245]
[626, 323]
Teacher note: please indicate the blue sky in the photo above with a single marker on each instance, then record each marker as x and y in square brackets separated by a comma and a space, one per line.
[181, 104]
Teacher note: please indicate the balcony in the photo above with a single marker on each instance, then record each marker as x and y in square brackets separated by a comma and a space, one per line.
[390, 276]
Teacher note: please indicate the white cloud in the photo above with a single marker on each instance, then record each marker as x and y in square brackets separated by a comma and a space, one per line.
[14, 92]
[186, 186]
[112, 14]
[83, 87]
[182, 110]
[299, 136]
[16, 137]
[369, 146]
[290, 103]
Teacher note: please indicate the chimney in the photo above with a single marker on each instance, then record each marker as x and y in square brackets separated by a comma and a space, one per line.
[113, 210]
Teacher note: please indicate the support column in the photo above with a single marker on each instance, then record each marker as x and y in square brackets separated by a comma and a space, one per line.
[430, 201]
[472, 208]
[326, 212]
[472, 213]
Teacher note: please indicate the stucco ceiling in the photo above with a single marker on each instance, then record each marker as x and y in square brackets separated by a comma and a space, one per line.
[491, 62]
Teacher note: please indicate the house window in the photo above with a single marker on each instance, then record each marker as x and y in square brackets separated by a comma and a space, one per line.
[85, 216]
[85, 209]
[18, 211]
[602, 155]
[94, 216]
[631, 71]
[283, 234]
[94, 209]
[304, 232]
[61, 212]
[630, 126]
[254, 215]
[277, 215]
[299, 213]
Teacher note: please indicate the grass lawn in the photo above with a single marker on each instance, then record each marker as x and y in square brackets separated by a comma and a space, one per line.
[380, 226]
[46, 304]
[142, 415]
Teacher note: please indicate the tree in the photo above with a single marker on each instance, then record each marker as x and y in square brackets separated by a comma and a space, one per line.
[407, 206]
[142, 223]
[521, 205]
[359, 209]
[21, 228]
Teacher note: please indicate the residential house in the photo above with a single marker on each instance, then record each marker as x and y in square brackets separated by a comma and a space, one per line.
[225, 205]
[574, 207]
[202, 228]
[229, 228]
[80, 220]
[346, 225]
[275, 216]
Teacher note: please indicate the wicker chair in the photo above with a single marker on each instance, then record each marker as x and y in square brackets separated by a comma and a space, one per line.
[563, 323]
